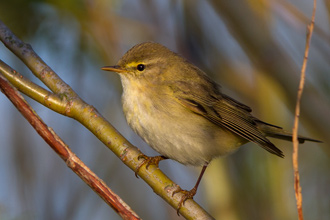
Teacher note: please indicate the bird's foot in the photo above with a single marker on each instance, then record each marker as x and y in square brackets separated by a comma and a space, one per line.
[148, 161]
[186, 195]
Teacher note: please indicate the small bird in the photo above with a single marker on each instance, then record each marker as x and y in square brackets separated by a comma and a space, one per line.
[182, 113]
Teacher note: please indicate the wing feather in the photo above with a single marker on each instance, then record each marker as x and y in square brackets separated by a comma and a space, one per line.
[228, 113]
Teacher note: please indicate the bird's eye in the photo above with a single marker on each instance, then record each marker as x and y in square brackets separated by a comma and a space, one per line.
[140, 67]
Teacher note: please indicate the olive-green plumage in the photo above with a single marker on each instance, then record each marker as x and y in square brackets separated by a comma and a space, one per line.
[182, 114]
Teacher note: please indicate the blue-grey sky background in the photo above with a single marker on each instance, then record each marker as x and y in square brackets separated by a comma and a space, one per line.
[253, 49]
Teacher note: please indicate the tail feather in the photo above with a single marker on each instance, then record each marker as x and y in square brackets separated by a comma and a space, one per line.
[277, 132]
[288, 137]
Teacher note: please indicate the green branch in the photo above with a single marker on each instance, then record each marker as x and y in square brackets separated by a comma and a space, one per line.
[65, 101]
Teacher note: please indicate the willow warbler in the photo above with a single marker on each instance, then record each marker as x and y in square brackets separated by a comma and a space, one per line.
[182, 113]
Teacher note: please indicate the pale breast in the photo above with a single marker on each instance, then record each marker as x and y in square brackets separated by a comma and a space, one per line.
[174, 131]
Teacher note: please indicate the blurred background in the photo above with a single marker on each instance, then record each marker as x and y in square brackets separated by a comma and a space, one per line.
[254, 49]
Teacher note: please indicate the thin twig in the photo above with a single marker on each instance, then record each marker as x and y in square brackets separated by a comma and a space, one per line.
[65, 153]
[297, 186]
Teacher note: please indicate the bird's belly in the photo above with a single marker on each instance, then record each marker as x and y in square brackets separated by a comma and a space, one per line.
[179, 135]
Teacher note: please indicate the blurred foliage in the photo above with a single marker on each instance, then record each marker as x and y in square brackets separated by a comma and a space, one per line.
[253, 48]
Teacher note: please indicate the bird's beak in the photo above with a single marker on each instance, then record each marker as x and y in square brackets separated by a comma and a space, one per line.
[116, 69]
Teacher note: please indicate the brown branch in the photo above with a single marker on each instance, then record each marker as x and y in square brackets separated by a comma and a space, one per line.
[65, 153]
[72, 161]
[295, 141]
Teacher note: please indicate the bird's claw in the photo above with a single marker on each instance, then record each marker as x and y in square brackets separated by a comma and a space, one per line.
[148, 161]
[186, 195]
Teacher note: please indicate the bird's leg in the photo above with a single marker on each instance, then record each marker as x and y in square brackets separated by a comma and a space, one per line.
[190, 194]
[149, 161]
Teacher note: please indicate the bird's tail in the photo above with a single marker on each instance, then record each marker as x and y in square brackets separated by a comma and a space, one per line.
[277, 132]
